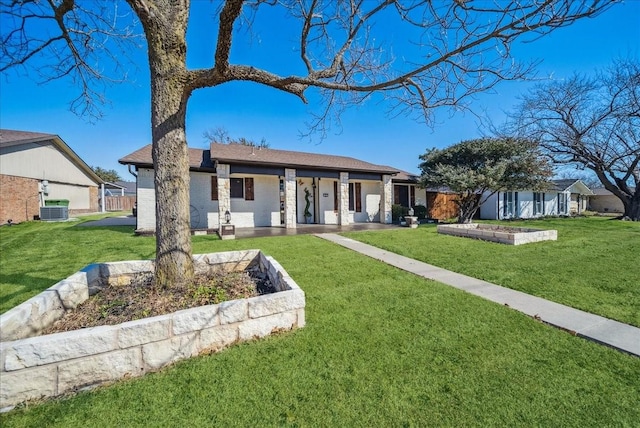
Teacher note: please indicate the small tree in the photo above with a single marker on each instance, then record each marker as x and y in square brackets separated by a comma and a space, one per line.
[476, 169]
[221, 136]
[110, 176]
[590, 122]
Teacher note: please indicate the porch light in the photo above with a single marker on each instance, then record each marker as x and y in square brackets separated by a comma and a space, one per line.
[227, 217]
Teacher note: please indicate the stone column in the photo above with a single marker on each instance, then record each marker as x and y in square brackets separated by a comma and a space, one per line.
[224, 192]
[290, 186]
[343, 199]
[386, 188]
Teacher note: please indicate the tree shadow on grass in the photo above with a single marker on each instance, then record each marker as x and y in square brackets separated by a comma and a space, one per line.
[26, 286]
[120, 229]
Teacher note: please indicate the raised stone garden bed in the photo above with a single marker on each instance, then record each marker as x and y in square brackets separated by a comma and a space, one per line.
[35, 366]
[498, 233]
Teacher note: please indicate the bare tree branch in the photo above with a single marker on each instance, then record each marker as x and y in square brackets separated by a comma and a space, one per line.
[69, 40]
[592, 122]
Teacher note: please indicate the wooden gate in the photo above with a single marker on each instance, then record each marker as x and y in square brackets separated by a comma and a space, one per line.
[119, 203]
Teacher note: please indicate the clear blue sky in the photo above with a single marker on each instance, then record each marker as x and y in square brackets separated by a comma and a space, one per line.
[248, 110]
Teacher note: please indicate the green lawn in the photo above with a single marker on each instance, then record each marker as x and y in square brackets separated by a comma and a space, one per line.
[381, 347]
[592, 266]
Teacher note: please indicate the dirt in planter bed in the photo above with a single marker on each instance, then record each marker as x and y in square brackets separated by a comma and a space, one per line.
[142, 299]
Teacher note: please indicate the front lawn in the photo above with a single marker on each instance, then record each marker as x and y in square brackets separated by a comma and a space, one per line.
[592, 266]
[382, 347]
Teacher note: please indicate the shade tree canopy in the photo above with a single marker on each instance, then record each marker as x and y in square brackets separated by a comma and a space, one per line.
[591, 122]
[344, 51]
[476, 169]
[108, 175]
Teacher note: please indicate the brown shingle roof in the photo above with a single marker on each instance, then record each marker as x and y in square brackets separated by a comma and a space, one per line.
[198, 158]
[238, 153]
[241, 154]
[9, 137]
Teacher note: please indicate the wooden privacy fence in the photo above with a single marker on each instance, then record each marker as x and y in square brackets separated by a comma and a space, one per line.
[119, 203]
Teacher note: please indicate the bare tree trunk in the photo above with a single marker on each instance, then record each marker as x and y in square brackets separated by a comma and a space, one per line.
[169, 95]
[632, 207]
[174, 263]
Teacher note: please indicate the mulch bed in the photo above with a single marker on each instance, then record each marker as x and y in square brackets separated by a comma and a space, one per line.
[142, 299]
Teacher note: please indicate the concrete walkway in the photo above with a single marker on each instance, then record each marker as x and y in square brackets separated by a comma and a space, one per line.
[621, 336]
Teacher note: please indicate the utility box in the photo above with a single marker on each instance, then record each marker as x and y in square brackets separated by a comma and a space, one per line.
[227, 231]
[54, 213]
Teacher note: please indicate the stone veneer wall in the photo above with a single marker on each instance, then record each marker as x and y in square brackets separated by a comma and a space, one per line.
[497, 233]
[290, 212]
[55, 364]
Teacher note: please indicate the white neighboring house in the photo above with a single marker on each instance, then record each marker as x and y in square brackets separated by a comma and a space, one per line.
[564, 197]
[263, 187]
[603, 201]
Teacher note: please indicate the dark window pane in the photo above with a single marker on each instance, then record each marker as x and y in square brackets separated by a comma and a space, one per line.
[237, 187]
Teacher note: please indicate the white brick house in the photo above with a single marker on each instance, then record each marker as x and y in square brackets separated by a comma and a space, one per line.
[266, 187]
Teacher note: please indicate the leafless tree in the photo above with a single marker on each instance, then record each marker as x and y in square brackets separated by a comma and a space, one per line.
[592, 122]
[221, 135]
[449, 52]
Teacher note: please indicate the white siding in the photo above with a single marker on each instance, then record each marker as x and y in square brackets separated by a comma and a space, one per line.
[146, 199]
[264, 210]
[200, 200]
[490, 209]
[79, 196]
[327, 213]
[42, 161]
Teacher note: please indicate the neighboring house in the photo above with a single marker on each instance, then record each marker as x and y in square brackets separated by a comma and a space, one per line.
[564, 197]
[266, 187]
[113, 189]
[603, 201]
[36, 167]
[129, 187]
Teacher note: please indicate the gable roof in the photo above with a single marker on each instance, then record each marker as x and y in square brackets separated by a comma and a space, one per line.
[246, 155]
[571, 184]
[10, 137]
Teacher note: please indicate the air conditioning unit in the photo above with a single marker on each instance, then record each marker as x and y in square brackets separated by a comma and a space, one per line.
[54, 213]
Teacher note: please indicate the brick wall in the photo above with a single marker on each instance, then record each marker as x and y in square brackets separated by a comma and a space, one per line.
[18, 198]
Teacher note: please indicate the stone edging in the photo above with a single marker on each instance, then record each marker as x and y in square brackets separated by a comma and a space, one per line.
[56, 364]
[488, 232]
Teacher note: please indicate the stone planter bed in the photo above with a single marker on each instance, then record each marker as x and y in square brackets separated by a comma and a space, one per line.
[497, 233]
[33, 367]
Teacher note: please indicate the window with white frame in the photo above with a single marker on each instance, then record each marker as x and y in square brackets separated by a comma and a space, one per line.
[510, 204]
[562, 203]
[538, 203]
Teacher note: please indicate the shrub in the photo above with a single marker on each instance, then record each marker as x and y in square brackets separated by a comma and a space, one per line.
[420, 211]
[398, 211]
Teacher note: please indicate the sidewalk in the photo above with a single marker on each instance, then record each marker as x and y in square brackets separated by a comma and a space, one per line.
[621, 336]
